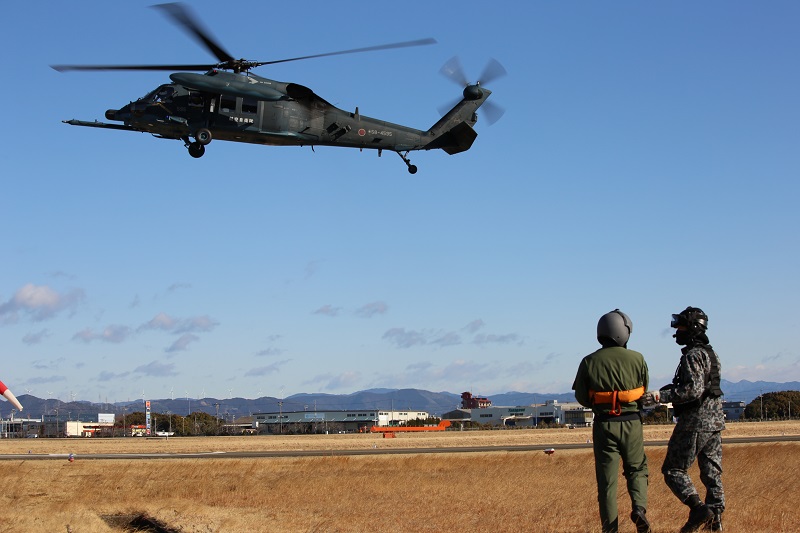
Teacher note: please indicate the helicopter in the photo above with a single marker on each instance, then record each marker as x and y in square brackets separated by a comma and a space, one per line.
[227, 102]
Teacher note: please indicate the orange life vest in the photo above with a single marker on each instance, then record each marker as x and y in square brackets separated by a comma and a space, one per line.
[615, 398]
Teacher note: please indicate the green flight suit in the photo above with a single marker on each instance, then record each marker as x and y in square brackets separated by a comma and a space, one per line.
[615, 436]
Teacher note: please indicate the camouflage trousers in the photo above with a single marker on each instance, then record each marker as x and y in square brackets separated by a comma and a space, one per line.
[684, 447]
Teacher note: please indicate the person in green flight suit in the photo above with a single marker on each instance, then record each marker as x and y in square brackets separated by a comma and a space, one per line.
[612, 381]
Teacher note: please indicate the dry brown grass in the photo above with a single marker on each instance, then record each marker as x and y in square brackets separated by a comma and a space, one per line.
[499, 491]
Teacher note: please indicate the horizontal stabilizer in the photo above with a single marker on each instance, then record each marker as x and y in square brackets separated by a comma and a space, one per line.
[457, 139]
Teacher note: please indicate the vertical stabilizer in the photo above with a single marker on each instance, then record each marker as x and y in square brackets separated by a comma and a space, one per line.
[453, 133]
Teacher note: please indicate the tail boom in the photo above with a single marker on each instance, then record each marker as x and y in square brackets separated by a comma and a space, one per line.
[454, 132]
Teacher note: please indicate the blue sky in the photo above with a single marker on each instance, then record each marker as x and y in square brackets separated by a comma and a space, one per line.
[648, 160]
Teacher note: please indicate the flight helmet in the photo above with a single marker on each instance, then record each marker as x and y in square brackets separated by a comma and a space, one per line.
[616, 326]
[693, 319]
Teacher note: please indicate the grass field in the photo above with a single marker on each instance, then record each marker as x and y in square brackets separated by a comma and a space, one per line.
[495, 491]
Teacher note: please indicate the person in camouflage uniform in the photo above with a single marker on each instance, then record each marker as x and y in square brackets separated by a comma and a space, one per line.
[612, 381]
[697, 402]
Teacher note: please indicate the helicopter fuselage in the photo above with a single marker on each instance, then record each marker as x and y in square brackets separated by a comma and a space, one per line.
[231, 104]
[243, 107]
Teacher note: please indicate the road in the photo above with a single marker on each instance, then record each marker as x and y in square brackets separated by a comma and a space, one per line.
[364, 451]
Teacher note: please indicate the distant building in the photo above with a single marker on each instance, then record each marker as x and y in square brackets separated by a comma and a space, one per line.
[351, 421]
[468, 401]
[103, 427]
[551, 412]
[20, 428]
[733, 410]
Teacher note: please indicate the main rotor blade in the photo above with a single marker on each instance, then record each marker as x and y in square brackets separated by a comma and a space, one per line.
[67, 68]
[180, 14]
[405, 44]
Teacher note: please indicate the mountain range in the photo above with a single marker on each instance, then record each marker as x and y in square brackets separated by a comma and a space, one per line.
[434, 403]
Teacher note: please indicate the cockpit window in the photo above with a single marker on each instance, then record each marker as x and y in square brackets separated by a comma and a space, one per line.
[162, 94]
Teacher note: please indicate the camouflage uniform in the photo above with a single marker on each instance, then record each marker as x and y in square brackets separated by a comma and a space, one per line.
[697, 434]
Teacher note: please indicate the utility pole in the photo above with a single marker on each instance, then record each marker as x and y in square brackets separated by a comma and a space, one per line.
[280, 412]
[761, 396]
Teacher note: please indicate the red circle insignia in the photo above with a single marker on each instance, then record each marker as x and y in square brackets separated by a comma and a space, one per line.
[362, 132]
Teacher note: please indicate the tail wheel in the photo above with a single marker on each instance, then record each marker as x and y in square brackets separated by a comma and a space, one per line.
[412, 169]
[203, 136]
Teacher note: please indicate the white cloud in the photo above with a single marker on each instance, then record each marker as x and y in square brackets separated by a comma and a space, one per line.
[274, 368]
[161, 321]
[35, 338]
[269, 352]
[157, 369]
[48, 365]
[182, 343]
[196, 324]
[425, 374]
[175, 286]
[38, 302]
[405, 339]
[111, 376]
[113, 333]
[761, 372]
[44, 380]
[474, 326]
[327, 310]
[509, 338]
[311, 268]
[371, 309]
[165, 322]
[448, 339]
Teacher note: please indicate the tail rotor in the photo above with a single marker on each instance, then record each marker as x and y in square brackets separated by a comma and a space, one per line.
[454, 71]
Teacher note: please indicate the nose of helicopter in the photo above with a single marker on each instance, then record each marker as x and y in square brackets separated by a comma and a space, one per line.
[111, 114]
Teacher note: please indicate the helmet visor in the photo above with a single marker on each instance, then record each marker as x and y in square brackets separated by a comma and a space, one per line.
[677, 320]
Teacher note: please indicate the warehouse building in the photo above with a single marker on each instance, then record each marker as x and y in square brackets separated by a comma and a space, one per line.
[352, 421]
[551, 412]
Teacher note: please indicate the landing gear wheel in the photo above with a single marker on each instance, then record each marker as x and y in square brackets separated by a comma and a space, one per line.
[203, 136]
[412, 169]
[196, 150]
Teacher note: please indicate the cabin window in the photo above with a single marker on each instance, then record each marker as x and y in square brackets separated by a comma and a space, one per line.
[250, 105]
[228, 104]
[195, 99]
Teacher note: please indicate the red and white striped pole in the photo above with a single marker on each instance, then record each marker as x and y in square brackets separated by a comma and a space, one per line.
[10, 396]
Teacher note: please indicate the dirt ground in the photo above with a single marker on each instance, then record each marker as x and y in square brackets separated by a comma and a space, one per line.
[447, 439]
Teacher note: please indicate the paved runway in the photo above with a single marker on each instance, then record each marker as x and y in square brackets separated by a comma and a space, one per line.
[349, 452]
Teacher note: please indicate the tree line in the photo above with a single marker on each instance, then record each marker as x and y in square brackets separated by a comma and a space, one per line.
[774, 406]
[197, 423]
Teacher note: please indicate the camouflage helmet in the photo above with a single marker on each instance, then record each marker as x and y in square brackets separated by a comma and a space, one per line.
[615, 325]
